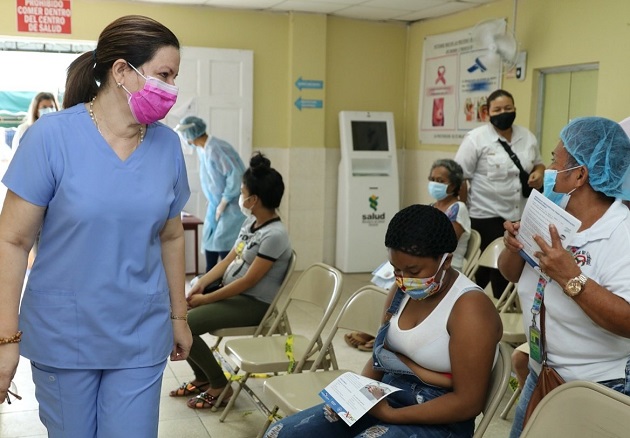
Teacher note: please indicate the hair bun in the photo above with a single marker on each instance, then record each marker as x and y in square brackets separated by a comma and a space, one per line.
[259, 161]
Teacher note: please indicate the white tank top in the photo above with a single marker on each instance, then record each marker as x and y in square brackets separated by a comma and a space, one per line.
[427, 343]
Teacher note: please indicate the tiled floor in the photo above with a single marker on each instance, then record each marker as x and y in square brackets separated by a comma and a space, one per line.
[176, 420]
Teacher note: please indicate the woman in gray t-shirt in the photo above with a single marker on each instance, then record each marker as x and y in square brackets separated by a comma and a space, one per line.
[250, 277]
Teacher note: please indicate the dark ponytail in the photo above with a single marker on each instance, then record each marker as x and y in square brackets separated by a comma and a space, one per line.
[80, 83]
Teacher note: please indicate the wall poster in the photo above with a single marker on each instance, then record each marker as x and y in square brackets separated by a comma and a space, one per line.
[454, 85]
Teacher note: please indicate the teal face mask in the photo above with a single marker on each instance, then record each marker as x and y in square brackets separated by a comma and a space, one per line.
[549, 182]
[437, 190]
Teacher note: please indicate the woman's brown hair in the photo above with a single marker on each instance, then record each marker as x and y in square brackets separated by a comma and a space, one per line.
[134, 38]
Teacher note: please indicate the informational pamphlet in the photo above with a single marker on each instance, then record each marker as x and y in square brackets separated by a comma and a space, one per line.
[538, 214]
[351, 395]
[383, 276]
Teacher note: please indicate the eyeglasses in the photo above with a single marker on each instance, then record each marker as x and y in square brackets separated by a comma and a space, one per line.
[12, 391]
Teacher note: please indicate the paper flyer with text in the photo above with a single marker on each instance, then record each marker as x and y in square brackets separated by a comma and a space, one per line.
[351, 395]
[538, 214]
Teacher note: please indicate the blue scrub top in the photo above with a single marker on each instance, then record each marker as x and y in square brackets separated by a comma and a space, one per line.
[221, 173]
[97, 296]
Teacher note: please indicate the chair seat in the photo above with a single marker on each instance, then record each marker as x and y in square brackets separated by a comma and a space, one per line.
[295, 392]
[235, 331]
[513, 331]
[265, 354]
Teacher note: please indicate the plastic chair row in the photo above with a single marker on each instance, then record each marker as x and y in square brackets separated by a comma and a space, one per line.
[319, 287]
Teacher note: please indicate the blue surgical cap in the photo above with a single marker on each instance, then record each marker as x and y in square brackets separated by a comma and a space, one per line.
[604, 148]
[191, 127]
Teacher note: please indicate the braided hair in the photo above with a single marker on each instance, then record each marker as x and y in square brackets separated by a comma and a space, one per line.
[421, 231]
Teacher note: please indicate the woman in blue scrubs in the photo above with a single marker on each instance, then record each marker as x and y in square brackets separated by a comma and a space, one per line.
[104, 305]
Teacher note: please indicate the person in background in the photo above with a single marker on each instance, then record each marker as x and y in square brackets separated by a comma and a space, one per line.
[250, 276]
[438, 343]
[495, 188]
[104, 305]
[221, 171]
[445, 182]
[585, 288]
[42, 103]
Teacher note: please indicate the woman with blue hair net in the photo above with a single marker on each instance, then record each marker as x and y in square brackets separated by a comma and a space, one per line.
[585, 291]
[221, 171]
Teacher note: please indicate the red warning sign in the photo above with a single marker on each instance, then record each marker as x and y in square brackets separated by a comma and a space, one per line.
[44, 16]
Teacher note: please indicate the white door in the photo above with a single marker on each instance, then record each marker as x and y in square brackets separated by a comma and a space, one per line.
[217, 86]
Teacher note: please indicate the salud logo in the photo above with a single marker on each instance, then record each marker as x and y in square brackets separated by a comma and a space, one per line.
[373, 202]
[373, 219]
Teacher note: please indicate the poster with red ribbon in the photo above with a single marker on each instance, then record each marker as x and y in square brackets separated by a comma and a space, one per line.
[453, 87]
[44, 16]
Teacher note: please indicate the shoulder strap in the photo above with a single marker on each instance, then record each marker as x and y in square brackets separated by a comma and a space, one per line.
[512, 155]
[394, 305]
[542, 331]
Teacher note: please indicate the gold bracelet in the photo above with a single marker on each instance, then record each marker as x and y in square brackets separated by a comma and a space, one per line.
[16, 338]
[181, 318]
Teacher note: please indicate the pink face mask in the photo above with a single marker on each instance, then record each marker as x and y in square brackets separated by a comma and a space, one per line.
[153, 102]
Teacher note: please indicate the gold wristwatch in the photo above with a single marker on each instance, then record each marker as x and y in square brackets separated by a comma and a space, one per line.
[575, 286]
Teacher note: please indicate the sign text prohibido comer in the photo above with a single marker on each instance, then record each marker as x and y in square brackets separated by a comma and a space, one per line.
[44, 16]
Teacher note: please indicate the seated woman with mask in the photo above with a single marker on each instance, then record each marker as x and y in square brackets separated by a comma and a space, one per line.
[251, 275]
[445, 180]
[438, 342]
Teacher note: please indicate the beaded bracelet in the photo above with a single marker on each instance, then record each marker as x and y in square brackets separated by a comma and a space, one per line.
[181, 318]
[12, 340]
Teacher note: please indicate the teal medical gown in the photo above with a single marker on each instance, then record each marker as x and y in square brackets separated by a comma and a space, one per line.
[221, 172]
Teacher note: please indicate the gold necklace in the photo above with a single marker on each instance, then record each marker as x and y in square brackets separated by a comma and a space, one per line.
[141, 130]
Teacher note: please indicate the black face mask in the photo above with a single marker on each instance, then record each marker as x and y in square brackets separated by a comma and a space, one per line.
[503, 121]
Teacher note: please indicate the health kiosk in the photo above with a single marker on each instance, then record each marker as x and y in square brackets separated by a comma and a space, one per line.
[367, 196]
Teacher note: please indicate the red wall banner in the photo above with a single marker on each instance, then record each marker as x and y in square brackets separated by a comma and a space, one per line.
[44, 16]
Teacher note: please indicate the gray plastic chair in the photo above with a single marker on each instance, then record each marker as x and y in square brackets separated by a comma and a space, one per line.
[580, 409]
[293, 393]
[320, 286]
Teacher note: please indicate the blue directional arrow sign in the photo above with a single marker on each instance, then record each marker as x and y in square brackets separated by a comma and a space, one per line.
[309, 103]
[305, 83]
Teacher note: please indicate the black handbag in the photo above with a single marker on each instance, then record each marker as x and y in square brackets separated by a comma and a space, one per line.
[215, 285]
[523, 176]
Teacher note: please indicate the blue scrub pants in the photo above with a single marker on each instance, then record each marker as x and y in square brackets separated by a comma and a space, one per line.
[99, 403]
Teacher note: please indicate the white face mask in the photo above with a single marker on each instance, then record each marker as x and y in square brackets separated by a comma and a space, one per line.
[246, 211]
[42, 111]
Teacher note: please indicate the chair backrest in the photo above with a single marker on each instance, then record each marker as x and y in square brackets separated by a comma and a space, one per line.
[270, 316]
[362, 312]
[272, 311]
[580, 409]
[490, 256]
[472, 252]
[319, 285]
[498, 385]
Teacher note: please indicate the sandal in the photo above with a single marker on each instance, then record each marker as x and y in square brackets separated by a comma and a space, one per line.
[187, 389]
[206, 401]
[368, 346]
[355, 339]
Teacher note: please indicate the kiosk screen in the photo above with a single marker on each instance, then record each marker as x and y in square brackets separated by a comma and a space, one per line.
[369, 136]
